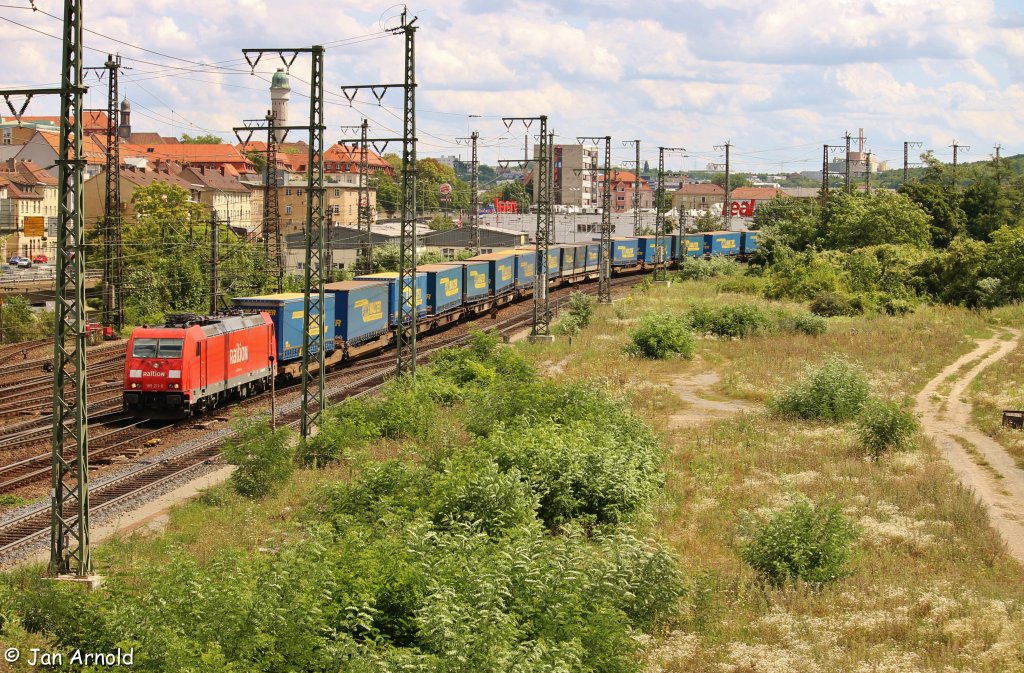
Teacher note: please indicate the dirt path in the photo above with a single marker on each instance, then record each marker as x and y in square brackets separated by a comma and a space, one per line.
[979, 461]
[698, 409]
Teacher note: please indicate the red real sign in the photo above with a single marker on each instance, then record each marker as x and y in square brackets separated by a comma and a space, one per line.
[506, 206]
[743, 208]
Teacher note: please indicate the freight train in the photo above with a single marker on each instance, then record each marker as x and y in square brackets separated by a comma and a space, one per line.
[195, 363]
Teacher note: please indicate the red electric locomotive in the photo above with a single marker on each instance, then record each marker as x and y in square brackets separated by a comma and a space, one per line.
[194, 363]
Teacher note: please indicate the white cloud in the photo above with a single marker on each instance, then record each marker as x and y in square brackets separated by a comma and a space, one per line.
[778, 73]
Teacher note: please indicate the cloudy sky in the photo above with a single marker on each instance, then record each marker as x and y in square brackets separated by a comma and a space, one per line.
[777, 77]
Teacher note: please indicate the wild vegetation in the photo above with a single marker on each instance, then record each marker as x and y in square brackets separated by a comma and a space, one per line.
[952, 239]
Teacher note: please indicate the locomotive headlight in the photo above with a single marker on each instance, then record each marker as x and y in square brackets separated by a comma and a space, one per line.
[136, 386]
[174, 386]
[174, 374]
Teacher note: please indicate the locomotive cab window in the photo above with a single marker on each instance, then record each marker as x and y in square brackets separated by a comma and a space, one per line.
[170, 348]
[144, 348]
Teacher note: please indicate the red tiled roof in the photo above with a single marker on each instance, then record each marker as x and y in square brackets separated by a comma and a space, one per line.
[621, 177]
[187, 153]
[704, 189]
[93, 152]
[349, 155]
[214, 179]
[756, 193]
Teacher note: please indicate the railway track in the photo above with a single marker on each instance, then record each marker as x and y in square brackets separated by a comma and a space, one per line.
[29, 529]
[10, 352]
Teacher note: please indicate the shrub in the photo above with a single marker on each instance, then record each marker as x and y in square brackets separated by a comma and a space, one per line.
[831, 304]
[895, 306]
[264, 457]
[344, 429]
[809, 323]
[475, 490]
[883, 426]
[569, 325]
[660, 336]
[743, 284]
[801, 542]
[702, 269]
[599, 470]
[739, 320]
[835, 391]
[581, 307]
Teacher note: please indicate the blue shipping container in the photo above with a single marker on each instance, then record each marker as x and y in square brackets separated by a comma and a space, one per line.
[444, 287]
[722, 242]
[502, 270]
[476, 278]
[579, 258]
[750, 242]
[568, 259]
[392, 278]
[624, 251]
[526, 268]
[648, 248]
[554, 261]
[695, 245]
[286, 310]
[361, 310]
[593, 256]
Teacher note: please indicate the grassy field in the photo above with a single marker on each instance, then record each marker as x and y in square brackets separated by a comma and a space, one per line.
[930, 587]
[1000, 387]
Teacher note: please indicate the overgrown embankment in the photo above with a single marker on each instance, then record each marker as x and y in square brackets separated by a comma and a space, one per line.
[504, 533]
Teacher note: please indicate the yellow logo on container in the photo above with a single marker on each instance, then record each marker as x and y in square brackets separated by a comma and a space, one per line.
[727, 243]
[406, 292]
[528, 269]
[451, 286]
[592, 256]
[505, 271]
[693, 246]
[370, 310]
[479, 280]
[626, 252]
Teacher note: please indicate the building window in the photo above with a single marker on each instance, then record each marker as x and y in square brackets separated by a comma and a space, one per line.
[7, 136]
[288, 191]
[287, 210]
[337, 192]
[337, 209]
[298, 192]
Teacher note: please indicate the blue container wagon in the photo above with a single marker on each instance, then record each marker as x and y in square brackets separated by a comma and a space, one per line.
[392, 278]
[286, 311]
[501, 270]
[750, 239]
[444, 287]
[722, 243]
[361, 310]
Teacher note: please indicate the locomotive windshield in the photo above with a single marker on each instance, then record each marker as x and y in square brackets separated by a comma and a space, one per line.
[157, 348]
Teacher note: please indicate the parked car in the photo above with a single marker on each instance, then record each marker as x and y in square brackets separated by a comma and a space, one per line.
[24, 263]
[40, 259]
[13, 261]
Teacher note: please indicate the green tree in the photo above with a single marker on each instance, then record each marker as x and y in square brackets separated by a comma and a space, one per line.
[389, 195]
[707, 221]
[943, 204]
[17, 322]
[1006, 262]
[856, 221]
[735, 180]
[258, 159]
[264, 457]
[206, 139]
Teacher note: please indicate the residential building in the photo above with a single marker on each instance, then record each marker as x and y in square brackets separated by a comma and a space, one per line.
[28, 209]
[95, 191]
[341, 200]
[43, 148]
[693, 198]
[195, 155]
[573, 182]
[223, 194]
[623, 184]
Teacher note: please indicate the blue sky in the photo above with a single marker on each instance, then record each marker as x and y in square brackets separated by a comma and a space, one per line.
[777, 78]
